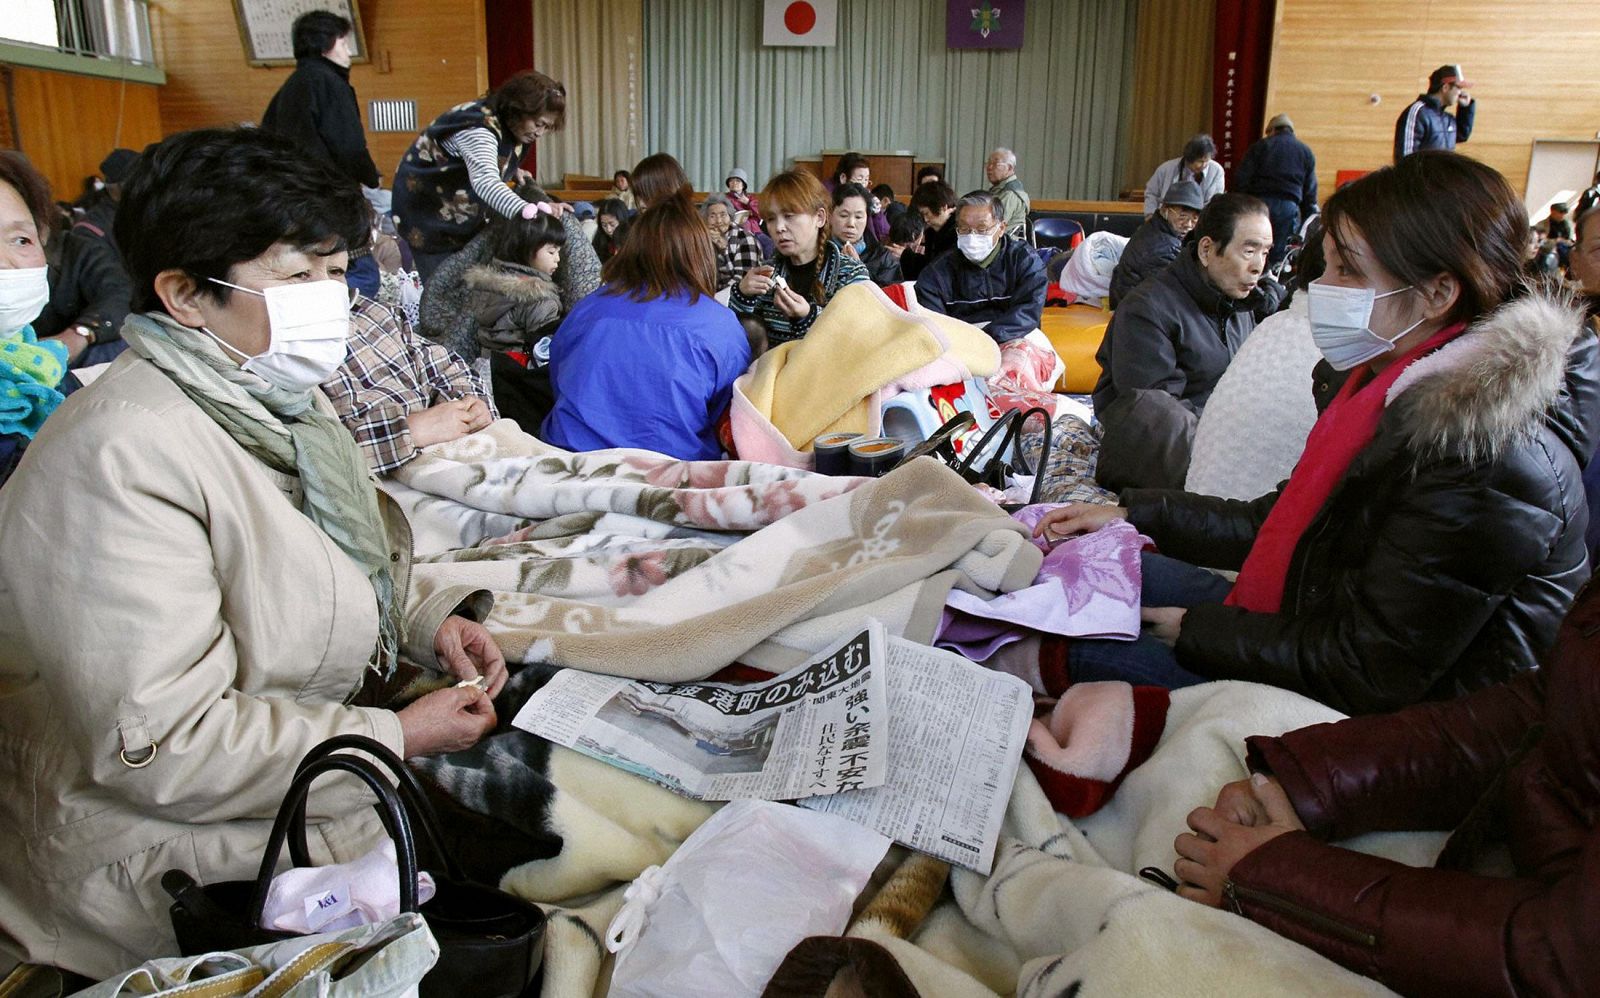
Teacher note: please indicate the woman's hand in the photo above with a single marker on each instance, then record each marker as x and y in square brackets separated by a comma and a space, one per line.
[1238, 802]
[1076, 518]
[756, 282]
[850, 251]
[447, 720]
[1206, 856]
[447, 421]
[791, 304]
[466, 651]
[1164, 622]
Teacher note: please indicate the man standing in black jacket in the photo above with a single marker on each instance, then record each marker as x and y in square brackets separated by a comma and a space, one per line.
[1168, 344]
[316, 106]
[1280, 170]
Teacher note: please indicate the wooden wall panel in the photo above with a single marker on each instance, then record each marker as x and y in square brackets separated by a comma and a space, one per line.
[432, 52]
[1329, 56]
[66, 123]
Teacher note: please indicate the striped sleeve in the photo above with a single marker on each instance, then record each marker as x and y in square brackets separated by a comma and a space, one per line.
[479, 149]
[1408, 134]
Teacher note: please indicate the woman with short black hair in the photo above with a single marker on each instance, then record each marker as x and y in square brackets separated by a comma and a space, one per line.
[197, 575]
[461, 164]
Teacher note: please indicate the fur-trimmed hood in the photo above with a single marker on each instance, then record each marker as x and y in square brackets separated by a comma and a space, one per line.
[1531, 362]
[520, 284]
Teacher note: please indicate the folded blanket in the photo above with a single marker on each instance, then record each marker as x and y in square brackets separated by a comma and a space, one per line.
[665, 590]
[862, 350]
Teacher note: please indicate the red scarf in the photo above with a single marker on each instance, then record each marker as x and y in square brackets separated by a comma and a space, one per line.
[1343, 431]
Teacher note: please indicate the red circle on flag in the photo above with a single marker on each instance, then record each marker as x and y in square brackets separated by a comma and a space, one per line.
[799, 17]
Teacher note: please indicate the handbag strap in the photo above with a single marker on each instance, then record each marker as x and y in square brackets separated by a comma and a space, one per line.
[1037, 471]
[1003, 426]
[420, 809]
[390, 810]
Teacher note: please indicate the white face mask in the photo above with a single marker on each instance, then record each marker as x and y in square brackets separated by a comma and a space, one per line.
[310, 326]
[1340, 324]
[23, 295]
[977, 246]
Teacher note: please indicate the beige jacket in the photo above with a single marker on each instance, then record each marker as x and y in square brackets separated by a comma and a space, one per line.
[161, 593]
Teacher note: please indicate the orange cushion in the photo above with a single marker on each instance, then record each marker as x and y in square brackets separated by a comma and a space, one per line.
[1076, 331]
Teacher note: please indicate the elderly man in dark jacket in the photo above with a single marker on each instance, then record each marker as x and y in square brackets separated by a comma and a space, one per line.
[1517, 764]
[1282, 171]
[1156, 242]
[316, 106]
[1168, 344]
[991, 280]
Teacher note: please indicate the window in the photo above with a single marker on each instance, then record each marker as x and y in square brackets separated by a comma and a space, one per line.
[101, 29]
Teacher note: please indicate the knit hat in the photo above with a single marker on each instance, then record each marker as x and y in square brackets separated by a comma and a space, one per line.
[1184, 194]
[1280, 121]
[118, 164]
[738, 174]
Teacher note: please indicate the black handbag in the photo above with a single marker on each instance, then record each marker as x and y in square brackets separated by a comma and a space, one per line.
[490, 943]
[987, 461]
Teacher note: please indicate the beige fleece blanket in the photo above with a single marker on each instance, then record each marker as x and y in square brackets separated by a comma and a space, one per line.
[630, 563]
[1061, 913]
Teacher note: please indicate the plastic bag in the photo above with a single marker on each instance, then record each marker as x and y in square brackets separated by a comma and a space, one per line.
[736, 897]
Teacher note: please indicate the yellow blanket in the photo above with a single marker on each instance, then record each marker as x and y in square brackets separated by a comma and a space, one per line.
[860, 347]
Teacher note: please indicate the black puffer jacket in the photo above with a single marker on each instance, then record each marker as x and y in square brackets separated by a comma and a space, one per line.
[1153, 245]
[1448, 553]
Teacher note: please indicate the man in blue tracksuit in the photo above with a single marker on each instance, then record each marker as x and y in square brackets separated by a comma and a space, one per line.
[992, 279]
[1427, 124]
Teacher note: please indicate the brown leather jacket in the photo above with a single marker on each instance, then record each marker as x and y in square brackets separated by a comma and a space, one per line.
[1523, 759]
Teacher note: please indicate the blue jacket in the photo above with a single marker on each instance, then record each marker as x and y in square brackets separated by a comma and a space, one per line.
[655, 375]
[1008, 294]
[1425, 124]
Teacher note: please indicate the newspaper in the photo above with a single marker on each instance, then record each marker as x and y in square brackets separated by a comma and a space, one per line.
[956, 733]
[818, 729]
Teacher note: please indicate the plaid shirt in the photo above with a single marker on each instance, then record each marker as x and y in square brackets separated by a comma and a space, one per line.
[390, 373]
[740, 254]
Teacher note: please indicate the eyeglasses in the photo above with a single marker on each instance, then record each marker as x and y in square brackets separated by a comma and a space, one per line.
[963, 231]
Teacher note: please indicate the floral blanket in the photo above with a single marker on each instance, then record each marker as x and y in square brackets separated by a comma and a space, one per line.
[630, 563]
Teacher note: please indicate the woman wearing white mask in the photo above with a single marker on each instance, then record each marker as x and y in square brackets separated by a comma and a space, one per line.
[1430, 539]
[33, 371]
[197, 577]
[785, 295]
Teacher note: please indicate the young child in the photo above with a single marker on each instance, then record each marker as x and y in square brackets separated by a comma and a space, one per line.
[514, 295]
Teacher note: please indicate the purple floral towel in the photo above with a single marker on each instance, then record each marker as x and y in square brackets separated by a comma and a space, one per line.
[1088, 587]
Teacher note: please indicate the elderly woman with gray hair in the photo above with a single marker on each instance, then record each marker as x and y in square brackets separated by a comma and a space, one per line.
[737, 249]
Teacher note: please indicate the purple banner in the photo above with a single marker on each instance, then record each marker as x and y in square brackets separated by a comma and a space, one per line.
[983, 24]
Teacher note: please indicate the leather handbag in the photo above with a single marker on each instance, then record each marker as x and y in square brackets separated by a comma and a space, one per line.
[491, 943]
[994, 457]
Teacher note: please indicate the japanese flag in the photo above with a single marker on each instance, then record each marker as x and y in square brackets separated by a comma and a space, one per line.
[800, 22]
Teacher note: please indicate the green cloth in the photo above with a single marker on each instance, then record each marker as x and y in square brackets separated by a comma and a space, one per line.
[30, 376]
[286, 431]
